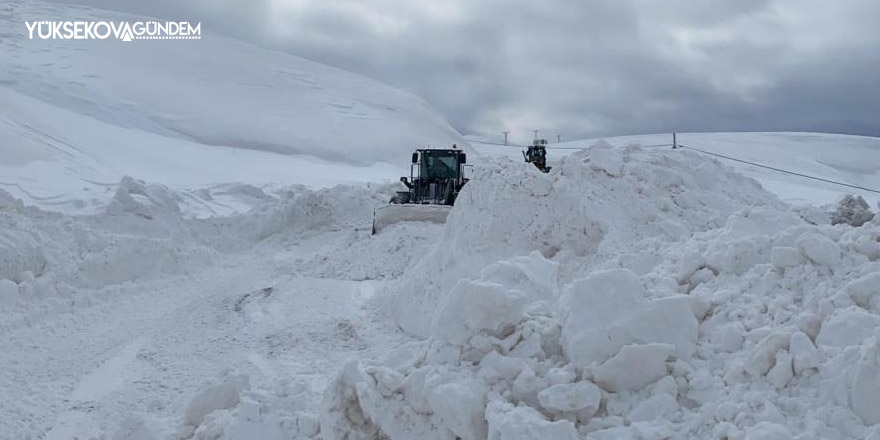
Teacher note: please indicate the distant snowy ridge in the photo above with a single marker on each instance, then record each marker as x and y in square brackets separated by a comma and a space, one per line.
[843, 158]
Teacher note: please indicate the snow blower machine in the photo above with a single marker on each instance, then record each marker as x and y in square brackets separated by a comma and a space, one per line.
[537, 155]
[436, 178]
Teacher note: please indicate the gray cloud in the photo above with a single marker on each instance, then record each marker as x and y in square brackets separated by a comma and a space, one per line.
[595, 68]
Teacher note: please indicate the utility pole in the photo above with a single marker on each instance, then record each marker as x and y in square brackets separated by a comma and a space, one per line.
[536, 133]
[505, 136]
[674, 141]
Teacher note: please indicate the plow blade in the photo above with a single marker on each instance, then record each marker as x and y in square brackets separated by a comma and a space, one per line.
[391, 214]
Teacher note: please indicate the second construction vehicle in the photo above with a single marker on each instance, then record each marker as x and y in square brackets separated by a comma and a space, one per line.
[537, 154]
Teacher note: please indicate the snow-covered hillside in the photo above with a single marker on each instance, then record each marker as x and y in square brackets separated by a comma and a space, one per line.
[190, 113]
[841, 158]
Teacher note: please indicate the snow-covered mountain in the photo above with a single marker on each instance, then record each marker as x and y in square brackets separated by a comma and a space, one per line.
[189, 113]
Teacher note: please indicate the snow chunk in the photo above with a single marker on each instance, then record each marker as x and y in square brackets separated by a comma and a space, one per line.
[782, 371]
[782, 257]
[763, 356]
[346, 405]
[246, 421]
[609, 311]
[657, 406]
[460, 405]
[819, 249]
[532, 273]
[853, 211]
[728, 338]
[634, 367]
[475, 306]
[496, 301]
[847, 326]
[507, 422]
[667, 320]
[596, 302]
[223, 395]
[20, 251]
[768, 431]
[307, 424]
[865, 291]
[568, 398]
[803, 352]
[388, 381]
[734, 257]
[495, 367]
[865, 386]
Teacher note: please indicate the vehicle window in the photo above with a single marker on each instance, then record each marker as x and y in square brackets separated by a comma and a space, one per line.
[439, 167]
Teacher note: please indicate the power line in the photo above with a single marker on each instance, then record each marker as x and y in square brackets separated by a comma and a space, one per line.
[584, 148]
[500, 144]
[561, 148]
[781, 170]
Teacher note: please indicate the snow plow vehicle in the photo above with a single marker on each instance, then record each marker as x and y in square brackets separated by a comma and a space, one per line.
[436, 178]
[537, 155]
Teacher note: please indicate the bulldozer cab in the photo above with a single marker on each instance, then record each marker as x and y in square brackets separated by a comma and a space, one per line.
[436, 177]
[537, 153]
[439, 164]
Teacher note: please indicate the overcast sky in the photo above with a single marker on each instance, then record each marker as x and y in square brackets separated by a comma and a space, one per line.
[586, 68]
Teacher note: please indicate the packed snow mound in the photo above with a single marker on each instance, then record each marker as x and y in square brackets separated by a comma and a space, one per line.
[682, 301]
[595, 206]
[189, 114]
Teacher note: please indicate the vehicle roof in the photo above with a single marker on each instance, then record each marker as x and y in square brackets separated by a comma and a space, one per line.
[444, 150]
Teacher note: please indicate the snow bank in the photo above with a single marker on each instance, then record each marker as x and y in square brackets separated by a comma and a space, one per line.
[627, 294]
[144, 234]
[579, 215]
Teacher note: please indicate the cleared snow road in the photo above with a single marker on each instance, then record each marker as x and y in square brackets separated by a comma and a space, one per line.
[139, 357]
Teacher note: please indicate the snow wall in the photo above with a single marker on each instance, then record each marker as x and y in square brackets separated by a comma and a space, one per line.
[630, 293]
[59, 261]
